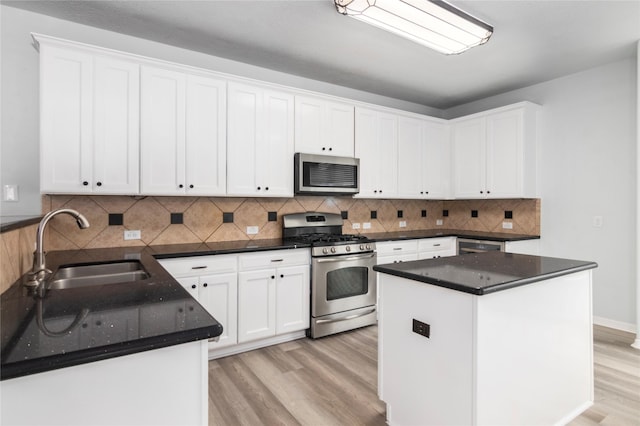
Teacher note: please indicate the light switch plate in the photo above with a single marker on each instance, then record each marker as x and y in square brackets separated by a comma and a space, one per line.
[10, 193]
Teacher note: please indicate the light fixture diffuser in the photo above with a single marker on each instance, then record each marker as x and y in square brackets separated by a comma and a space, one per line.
[432, 23]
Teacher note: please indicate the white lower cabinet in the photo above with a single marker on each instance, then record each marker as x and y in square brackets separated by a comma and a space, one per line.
[429, 248]
[273, 293]
[261, 298]
[213, 282]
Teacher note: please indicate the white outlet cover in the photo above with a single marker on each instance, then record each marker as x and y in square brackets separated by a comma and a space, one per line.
[132, 235]
[403, 224]
[366, 225]
[355, 226]
[438, 222]
[252, 230]
[507, 225]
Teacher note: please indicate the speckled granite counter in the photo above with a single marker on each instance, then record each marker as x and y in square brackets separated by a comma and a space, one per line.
[435, 233]
[483, 273]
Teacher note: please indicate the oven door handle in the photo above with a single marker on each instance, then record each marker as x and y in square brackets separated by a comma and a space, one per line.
[349, 317]
[344, 259]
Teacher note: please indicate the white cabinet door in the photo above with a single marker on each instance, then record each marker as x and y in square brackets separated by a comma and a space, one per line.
[410, 158]
[66, 120]
[183, 130]
[206, 136]
[292, 299]
[162, 131]
[376, 145]
[504, 154]
[469, 153]
[218, 294]
[323, 127]
[260, 142]
[116, 140]
[436, 164]
[89, 123]
[256, 305]
[494, 154]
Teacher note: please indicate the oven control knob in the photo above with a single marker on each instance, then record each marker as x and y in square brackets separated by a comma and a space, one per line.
[333, 249]
[347, 248]
[325, 251]
[368, 247]
[361, 246]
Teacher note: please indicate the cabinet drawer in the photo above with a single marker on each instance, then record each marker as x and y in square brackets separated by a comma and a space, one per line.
[273, 259]
[200, 265]
[436, 244]
[396, 247]
[404, 257]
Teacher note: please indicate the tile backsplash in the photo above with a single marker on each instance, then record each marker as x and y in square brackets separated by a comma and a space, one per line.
[176, 220]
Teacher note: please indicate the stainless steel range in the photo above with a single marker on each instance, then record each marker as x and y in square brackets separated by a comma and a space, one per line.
[343, 283]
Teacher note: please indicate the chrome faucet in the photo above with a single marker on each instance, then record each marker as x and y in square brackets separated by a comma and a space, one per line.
[39, 271]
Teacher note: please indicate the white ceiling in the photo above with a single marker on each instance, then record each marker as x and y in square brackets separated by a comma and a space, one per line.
[533, 41]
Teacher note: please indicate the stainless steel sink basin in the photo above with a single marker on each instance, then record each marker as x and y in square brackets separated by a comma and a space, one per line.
[97, 274]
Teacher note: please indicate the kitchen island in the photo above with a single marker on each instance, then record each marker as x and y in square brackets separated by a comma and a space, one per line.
[485, 339]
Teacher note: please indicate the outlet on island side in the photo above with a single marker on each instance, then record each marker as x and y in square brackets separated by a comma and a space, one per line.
[421, 328]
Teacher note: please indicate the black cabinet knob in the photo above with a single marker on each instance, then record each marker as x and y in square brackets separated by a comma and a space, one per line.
[181, 186]
[266, 188]
[99, 183]
[85, 183]
[323, 148]
[273, 277]
[380, 191]
[281, 275]
[205, 285]
[375, 191]
[482, 192]
[193, 286]
[488, 192]
[330, 149]
[258, 188]
[421, 192]
[191, 186]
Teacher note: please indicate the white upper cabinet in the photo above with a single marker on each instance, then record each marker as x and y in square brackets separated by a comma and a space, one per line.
[376, 145]
[494, 153]
[260, 144]
[183, 133]
[423, 158]
[324, 127]
[89, 122]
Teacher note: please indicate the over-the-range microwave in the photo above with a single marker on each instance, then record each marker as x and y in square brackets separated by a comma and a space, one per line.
[326, 175]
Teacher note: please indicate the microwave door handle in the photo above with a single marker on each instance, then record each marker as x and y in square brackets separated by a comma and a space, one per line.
[344, 259]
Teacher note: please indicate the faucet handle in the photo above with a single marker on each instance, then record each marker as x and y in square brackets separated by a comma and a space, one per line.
[35, 278]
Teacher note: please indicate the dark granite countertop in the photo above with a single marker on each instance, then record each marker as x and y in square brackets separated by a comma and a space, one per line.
[434, 233]
[10, 223]
[484, 273]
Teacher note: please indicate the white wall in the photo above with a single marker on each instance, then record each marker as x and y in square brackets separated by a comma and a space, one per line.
[19, 69]
[587, 167]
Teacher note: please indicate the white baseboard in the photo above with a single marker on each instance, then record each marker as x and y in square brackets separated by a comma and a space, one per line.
[255, 344]
[618, 325]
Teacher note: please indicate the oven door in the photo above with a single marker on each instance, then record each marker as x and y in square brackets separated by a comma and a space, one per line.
[342, 283]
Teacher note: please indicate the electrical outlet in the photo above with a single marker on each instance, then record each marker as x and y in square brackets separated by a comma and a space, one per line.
[10, 193]
[252, 230]
[597, 221]
[439, 222]
[402, 224]
[132, 235]
[421, 328]
[355, 226]
[366, 225]
[507, 225]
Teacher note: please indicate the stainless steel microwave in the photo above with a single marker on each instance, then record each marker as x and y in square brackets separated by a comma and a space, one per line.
[326, 175]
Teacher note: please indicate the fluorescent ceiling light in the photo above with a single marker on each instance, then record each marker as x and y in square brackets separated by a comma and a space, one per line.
[432, 23]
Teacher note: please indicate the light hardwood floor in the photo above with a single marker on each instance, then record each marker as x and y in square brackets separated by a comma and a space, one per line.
[333, 381]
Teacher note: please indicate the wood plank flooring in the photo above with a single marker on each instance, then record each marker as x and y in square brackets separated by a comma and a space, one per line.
[333, 381]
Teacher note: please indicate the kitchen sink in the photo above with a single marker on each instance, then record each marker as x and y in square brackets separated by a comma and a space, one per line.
[76, 276]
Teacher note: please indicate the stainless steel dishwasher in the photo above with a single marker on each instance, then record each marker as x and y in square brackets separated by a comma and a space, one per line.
[466, 246]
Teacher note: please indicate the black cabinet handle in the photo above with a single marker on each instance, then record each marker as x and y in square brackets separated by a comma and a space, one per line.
[323, 148]
[281, 275]
[273, 277]
[266, 188]
[85, 183]
[258, 188]
[99, 183]
[193, 286]
[205, 285]
[482, 192]
[330, 149]
[181, 186]
[488, 192]
[191, 186]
